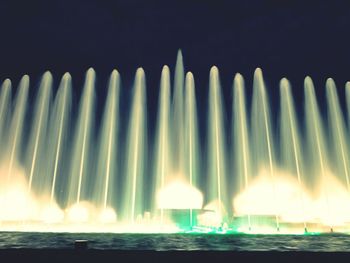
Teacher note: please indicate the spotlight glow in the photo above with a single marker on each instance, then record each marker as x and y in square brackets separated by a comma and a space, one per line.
[52, 214]
[179, 195]
[78, 213]
[108, 215]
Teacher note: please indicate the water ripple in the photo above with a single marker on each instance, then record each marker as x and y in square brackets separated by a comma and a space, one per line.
[170, 242]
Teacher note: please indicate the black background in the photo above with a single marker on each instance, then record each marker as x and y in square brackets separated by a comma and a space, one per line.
[285, 38]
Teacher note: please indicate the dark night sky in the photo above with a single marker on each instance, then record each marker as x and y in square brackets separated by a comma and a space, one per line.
[284, 37]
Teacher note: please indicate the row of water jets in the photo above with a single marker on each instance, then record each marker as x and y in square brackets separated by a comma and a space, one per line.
[126, 171]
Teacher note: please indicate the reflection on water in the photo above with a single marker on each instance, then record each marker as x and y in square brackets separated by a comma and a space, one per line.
[166, 242]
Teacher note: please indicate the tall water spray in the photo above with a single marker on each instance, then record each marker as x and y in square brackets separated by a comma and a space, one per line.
[178, 123]
[316, 141]
[5, 100]
[35, 154]
[16, 126]
[216, 145]
[58, 131]
[262, 135]
[191, 135]
[338, 134]
[105, 187]
[347, 94]
[81, 151]
[292, 157]
[69, 169]
[241, 150]
[136, 147]
[162, 165]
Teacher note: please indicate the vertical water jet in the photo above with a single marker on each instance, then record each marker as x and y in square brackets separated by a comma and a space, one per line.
[191, 135]
[337, 128]
[107, 158]
[5, 102]
[136, 151]
[38, 132]
[163, 134]
[216, 143]
[58, 129]
[178, 124]
[261, 128]
[270, 170]
[241, 153]
[316, 139]
[16, 125]
[347, 96]
[80, 164]
[290, 139]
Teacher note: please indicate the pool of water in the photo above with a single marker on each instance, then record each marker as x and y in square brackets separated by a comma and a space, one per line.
[181, 242]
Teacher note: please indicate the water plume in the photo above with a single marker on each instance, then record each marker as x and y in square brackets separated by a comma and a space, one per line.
[120, 174]
[136, 150]
[14, 142]
[216, 144]
[262, 133]
[338, 133]
[290, 139]
[241, 152]
[178, 123]
[316, 139]
[104, 187]
[80, 158]
[347, 95]
[162, 165]
[58, 131]
[5, 100]
[38, 131]
[191, 135]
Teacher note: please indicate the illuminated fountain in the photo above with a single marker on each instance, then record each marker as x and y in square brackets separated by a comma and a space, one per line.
[66, 168]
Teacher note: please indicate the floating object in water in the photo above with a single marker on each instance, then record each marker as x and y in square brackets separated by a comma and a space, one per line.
[80, 244]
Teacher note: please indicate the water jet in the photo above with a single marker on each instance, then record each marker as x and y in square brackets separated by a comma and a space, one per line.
[114, 170]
